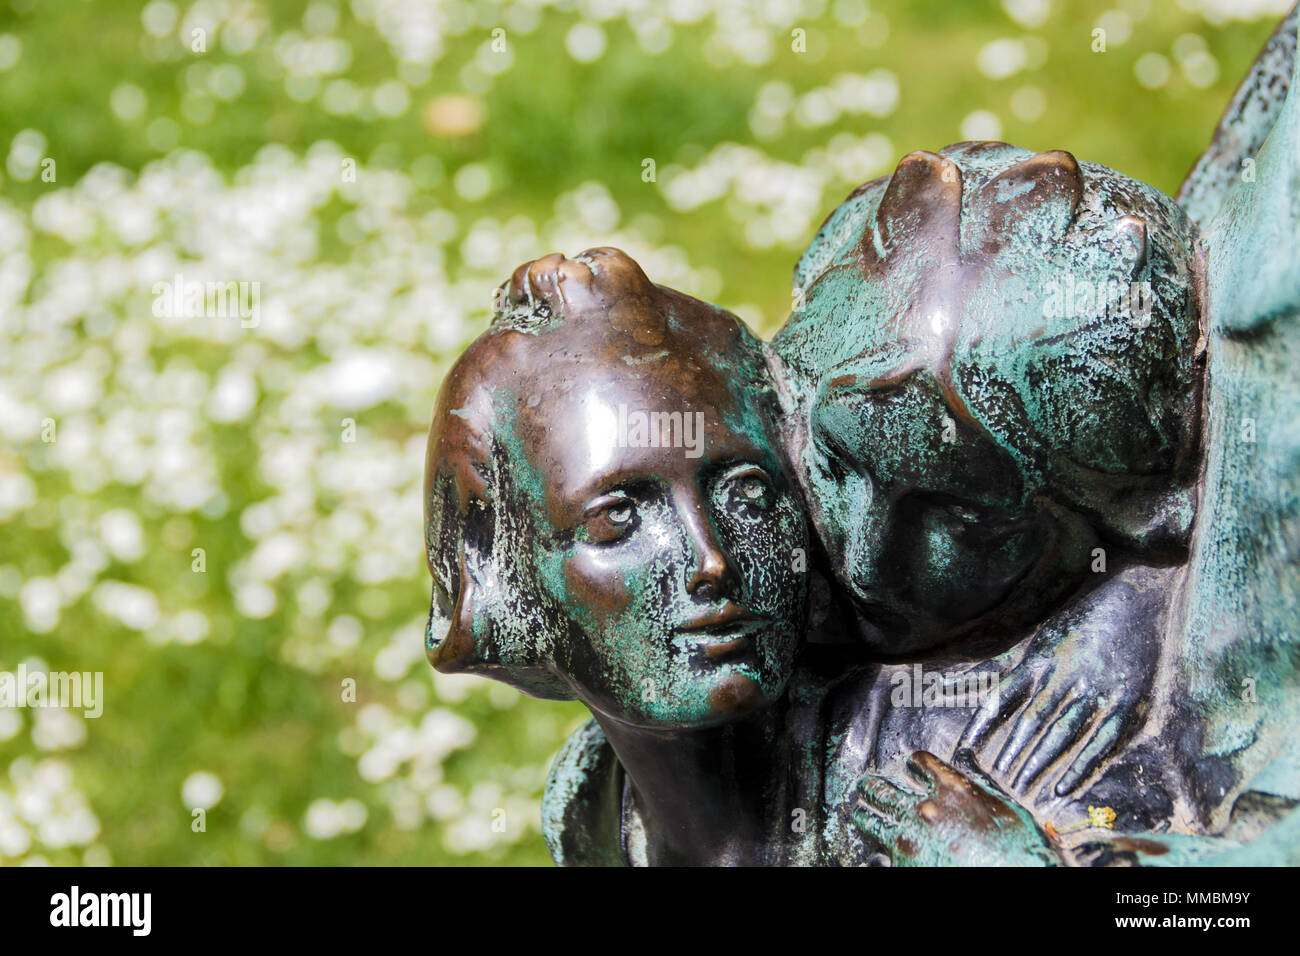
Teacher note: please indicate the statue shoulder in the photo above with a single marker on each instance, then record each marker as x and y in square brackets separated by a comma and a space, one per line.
[582, 804]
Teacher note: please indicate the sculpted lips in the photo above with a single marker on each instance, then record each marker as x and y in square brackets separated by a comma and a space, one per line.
[721, 633]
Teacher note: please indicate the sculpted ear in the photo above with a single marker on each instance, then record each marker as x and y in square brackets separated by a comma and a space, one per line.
[461, 533]
[456, 650]
[484, 619]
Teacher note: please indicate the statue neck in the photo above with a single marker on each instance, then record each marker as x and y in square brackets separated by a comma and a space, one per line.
[715, 796]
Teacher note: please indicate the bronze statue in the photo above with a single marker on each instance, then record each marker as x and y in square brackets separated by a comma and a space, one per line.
[988, 558]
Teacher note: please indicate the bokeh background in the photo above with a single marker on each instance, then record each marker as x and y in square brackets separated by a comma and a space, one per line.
[377, 167]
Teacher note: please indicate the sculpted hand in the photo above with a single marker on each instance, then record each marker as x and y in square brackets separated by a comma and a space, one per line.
[957, 818]
[1081, 688]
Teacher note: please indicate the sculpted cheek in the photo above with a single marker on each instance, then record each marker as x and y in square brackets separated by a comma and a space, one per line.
[598, 587]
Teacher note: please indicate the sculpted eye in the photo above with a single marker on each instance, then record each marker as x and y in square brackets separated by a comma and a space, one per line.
[749, 489]
[609, 518]
[964, 514]
[752, 489]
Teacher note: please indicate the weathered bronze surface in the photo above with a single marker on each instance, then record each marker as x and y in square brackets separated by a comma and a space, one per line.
[989, 557]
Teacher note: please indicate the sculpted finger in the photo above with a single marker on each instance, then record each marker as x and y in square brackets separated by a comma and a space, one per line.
[934, 774]
[884, 838]
[887, 801]
[515, 291]
[873, 826]
[1027, 727]
[544, 277]
[1102, 743]
[964, 762]
[1061, 735]
[995, 710]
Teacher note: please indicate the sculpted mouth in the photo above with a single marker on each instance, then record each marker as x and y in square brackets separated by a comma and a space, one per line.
[729, 617]
[722, 633]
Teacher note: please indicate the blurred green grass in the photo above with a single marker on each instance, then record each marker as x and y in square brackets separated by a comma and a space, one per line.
[553, 123]
[275, 733]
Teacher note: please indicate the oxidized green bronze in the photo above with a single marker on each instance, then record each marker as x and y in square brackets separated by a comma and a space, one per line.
[988, 558]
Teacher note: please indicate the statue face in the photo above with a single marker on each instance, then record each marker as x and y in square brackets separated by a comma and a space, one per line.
[674, 567]
[928, 521]
[606, 517]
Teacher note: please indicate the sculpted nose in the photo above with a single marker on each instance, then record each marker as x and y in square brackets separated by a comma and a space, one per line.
[711, 575]
[863, 551]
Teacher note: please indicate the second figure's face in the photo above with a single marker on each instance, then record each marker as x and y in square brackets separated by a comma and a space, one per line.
[679, 568]
[923, 512]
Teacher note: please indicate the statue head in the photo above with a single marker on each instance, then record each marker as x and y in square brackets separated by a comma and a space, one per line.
[997, 370]
[606, 517]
